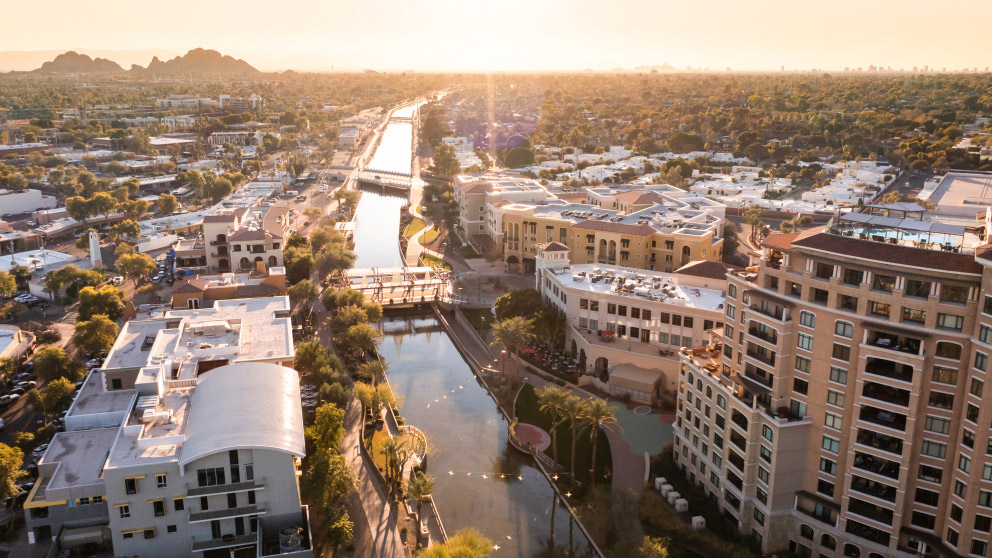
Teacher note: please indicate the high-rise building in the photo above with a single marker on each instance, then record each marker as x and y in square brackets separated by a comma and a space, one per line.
[845, 414]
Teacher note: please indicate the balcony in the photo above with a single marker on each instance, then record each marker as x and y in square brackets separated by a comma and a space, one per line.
[739, 419]
[871, 511]
[775, 312]
[868, 533]
[874, 489]
[768, 335]
[889, 369]
[736, 460]
[880, 441]
[895, 421]
[885, 393]
[761, 354]
[738, 440]
[900, 344]
[758, 375]
[877, 465]
[211, 515]
[197, 491]
[225, 542]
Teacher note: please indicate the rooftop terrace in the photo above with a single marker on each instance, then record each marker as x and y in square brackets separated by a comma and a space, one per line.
[647, 285]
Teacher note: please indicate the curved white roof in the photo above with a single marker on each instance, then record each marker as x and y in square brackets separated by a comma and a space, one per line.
[247, 405]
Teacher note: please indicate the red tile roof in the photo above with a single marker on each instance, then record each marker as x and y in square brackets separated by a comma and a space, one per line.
[888, 253]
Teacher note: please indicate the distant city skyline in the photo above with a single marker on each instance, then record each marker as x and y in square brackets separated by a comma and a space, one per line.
[511, 35]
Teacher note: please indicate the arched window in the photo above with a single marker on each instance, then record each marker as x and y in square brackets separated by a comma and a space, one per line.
[852, 551]
[946, 349]
[828, 541]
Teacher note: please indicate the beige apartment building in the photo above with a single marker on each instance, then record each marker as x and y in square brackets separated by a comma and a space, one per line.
[845, 415]
[663, 236]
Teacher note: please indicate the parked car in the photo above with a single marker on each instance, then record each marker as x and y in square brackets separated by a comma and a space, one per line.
[40, 450]
[117, 280]
[1, 425]
[9, 399]
[31, 223]
[26, 385]
[24, 377]
[17, 391]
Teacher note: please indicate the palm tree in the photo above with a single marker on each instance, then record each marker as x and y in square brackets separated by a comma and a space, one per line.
[420, 487]
[574, 410]
[552, 401]
[598, 415]
[513, 332]
[390, 451]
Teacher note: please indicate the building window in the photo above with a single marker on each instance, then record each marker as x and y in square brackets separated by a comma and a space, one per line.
[978, 547]
[767, 433]
[825, 487]
[950, 321]
[937, 424]
[765, 454]
[950, 350]
[210, 477]
[802, 364]
[807, 319]
[835, 398]
[983, 523]
[797, 409]
[759, 516]
[828, 466]
[763, 475]
[930, 474]
[125, 511]
[830, 444]
[841, 352]
[914, 315]
[805, 342]
[934, 449]
[159, 507]
[884, 283]
[880, 308]
[964, 463]
[131, 486]
[838, 375]
[160, 480]
[844, 329]
[953, 293]
[981, 361]
[179, 504]
[943, 375]
[149, 533]
[800, 386]
[919, 289]
[833, 421]
[924, 520]
[170, 529]
[721, 402]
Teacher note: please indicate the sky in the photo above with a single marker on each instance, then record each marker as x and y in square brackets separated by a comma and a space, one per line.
[511, 35]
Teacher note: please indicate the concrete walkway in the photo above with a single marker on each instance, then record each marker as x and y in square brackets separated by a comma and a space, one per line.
[378, 513]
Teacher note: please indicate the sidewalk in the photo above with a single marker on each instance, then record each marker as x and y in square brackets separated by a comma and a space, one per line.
[378, 513]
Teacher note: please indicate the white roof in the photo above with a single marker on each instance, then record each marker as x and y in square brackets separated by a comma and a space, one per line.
[248, 405]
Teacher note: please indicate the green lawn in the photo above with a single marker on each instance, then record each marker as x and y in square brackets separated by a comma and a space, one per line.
[433, 260]
[430, 236]
[414, 227]
[528, 411]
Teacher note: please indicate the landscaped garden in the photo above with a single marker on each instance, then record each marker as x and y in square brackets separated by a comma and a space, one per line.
[528, 411]
[414, 227]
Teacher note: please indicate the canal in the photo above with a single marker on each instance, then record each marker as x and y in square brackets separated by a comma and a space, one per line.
[482, 482]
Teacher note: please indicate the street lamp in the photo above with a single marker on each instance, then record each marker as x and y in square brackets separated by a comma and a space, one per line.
[503, 358]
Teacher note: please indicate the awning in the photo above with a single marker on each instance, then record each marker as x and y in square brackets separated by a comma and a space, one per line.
[888, 328]
[635, 378]
[96, 534]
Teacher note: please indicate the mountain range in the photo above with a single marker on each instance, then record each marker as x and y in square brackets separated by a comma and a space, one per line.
[197, 60]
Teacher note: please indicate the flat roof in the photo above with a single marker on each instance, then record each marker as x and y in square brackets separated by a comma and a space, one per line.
[649, 286]
[80, 456]
[94, 399]
[134, 344]
[962, 193]
[157, 441]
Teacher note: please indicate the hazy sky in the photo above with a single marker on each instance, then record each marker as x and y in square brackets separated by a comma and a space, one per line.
[507, 35]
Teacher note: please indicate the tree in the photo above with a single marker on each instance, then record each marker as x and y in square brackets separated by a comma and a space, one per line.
[653, 547]
[8, 286]
[57, 396]
[420, 487]
[361, 339]
[83, 242]
[304, 293]
[551, 400]
[22, 274]
[167, 204]
[135, 266]
[52, 362]
[299, 263]
[753, 218]
[574, 411]
[518, 157]
[7, 368]
[328, 478]
[311, 356]
[11, 459]
[550, 324]
[466, 543]
[218, 189]
[135, 209]
[511, 333]
[108, 300]
[366, 394]
[445, 161]
[523, 302]
[101, 203]
[335, 257]
[96, 334]
[77, 208]
[296, 164]
[126, 230]
[598, 416]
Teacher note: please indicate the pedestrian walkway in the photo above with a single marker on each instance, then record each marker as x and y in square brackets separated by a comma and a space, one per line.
[379, 515]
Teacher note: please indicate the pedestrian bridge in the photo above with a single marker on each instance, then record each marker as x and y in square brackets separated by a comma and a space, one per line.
[401, 286]
[386, 179]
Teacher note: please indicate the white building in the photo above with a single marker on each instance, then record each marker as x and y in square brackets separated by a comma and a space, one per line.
[24, 201]
[625, 326]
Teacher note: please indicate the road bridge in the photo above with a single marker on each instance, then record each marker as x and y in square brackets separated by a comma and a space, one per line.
[401, 286]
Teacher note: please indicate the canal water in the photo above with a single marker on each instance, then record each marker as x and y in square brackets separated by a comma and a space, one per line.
[482, 482]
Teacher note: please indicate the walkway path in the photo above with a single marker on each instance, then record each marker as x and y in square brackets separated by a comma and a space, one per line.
[378, 513]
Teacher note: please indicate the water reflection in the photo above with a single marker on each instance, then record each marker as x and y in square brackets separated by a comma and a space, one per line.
[377, 223]
[491, 486]
[394, 152]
